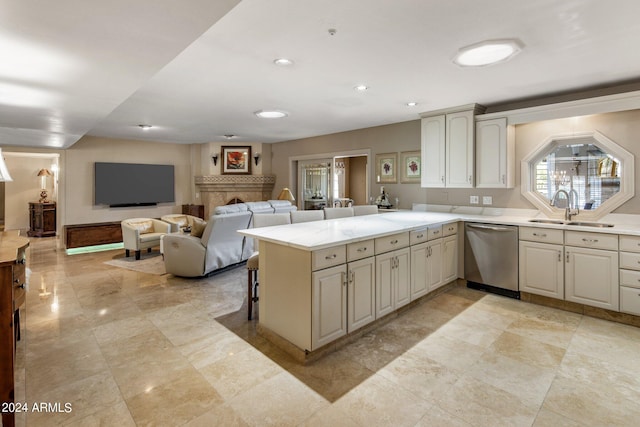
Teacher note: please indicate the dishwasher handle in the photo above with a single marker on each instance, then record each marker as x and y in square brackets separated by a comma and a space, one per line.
[489, 227]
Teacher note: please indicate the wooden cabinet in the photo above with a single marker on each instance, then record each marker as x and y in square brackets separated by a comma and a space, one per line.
[361, 293]
[392, 281]
[447, 144]
[12, 296]
[495, 154]
[193, 210]
[591, 277]
[42, 219]
[329, 305]
[542, 269]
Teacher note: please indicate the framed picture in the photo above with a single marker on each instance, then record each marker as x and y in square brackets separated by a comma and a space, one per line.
[411, 166]
[386, 165]
[236, 160]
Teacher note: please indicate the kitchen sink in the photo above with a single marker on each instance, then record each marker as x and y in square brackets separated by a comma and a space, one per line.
[589, 224]
[547, 221]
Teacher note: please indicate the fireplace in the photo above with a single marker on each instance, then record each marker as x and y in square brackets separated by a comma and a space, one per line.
[218, 190]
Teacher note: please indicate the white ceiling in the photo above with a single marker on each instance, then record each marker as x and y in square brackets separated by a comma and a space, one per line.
[198, 69]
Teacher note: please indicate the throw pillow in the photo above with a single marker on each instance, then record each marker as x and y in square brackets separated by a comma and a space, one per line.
[197, 228]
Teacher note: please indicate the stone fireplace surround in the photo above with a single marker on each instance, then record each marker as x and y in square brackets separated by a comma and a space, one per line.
[218, 190]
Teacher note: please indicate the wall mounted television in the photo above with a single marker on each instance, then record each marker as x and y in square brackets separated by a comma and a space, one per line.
[131, 184]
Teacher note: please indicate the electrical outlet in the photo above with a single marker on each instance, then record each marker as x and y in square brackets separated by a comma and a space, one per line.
[474, 200]
[487, 200]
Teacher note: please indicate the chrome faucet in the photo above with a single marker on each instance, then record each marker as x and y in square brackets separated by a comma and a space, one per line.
[572, 199]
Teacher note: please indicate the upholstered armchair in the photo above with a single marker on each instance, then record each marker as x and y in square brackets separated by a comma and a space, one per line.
[142, 233]
[220, 246]
[180, 221]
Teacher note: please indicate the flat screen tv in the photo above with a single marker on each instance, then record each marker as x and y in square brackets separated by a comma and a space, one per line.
[130, 184]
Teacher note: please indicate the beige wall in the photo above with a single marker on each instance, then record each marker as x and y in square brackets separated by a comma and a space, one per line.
[620, 127]
[78, 171]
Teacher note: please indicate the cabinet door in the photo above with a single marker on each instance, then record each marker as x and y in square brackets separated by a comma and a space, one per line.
[433, 151]
[419, 286]
[449, 259]
[541, 268]
[494, 154]
[329, 305]
[591, 277]
[385, 269]
[402, 277]
[361, 296]
[459, 149]
[434, 264]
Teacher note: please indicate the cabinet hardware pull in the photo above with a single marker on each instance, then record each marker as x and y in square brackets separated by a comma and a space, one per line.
[436, 231]
[503, 179]
[590, 240]
[331, 256]
[442, 179]
[560, 257]
[420, 236]
[393, 242]
[363, 249]
[21, 261]
[567, 257]
[470, 177]
[20, 286]
[540, 234]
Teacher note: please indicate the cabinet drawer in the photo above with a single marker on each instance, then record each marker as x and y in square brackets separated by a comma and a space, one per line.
[329, 257]
[359, 250]
[543, 235]
[591, 240]
[630, 243]
[419, 236]
[434, 232]
[630, 278]
[449, 229]
[630, 300]
[390, 243]
[630, 260]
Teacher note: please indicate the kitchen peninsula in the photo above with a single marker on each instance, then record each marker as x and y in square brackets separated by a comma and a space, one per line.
[323, 280]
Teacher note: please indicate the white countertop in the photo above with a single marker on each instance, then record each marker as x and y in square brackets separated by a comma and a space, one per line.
[327, 233]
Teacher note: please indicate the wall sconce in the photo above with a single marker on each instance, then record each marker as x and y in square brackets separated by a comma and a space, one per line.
[256, 157]
[215, 159]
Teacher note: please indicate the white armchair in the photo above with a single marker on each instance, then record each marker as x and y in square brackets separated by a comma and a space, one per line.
[220, 246]
[142, 233]
[179, 221]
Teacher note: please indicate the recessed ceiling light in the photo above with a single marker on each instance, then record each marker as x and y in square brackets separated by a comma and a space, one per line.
[230, 136]
[283, 62]
[270, 114]
[361, 88]
[145, 127]
[411, 104]
[487, 52]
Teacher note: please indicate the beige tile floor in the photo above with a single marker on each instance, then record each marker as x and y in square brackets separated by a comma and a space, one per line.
[127, 348]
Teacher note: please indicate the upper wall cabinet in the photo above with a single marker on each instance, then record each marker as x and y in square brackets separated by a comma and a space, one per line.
[495, 154]
[447, 148]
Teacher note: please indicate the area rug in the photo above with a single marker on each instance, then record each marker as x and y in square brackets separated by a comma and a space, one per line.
[151, 263]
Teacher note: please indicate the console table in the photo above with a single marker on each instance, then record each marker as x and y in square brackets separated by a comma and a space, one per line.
[12, 296]
[42, 219]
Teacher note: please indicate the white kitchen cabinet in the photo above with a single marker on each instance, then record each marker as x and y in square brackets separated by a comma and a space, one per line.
[495, 154]
[434, 264]
[329, 305]
[419, 270]
[541, 267]
[392, 281]
[591, 277]
[449, 258]
[361, 293]
[447, 142]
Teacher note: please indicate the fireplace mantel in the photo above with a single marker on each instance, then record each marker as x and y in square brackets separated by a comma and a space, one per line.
[217, 190]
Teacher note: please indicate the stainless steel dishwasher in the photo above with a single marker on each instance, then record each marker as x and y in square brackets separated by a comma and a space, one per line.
[491, 258]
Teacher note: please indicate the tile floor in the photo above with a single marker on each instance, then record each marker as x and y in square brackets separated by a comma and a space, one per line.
[127, 348]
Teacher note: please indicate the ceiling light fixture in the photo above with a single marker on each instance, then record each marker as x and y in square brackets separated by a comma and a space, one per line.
[487, 52]
[361, 88]
[270, 114]
[145, 127]
[284, 62]
[230, 136]
[411, 104]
